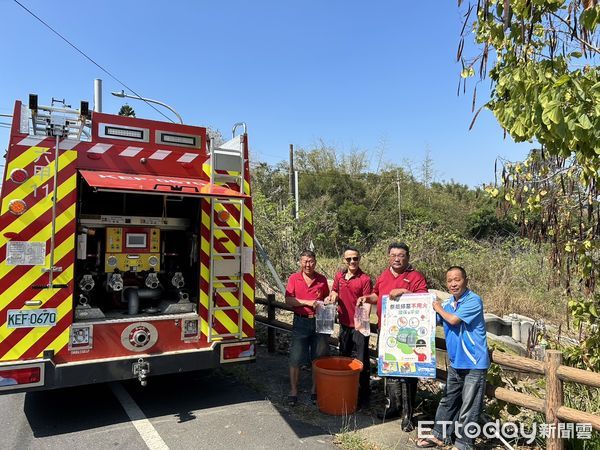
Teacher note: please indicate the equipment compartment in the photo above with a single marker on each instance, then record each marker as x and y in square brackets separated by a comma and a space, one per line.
[137, 255]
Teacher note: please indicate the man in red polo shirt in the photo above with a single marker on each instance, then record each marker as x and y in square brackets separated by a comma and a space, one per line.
[400, 278]
[348, 285]
[303, 289]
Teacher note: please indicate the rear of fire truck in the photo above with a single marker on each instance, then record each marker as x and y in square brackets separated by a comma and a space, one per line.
[126, 249]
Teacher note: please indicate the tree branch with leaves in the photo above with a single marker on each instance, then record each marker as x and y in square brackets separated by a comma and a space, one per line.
[541, 57]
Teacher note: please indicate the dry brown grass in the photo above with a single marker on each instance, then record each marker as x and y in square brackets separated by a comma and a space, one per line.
[509, 277]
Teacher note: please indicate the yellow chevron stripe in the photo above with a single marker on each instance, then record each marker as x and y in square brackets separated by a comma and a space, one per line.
[248, 241]
[233, 222]
[205, 222]
[204, 273]
[43, 235]
[248, 317]
[206, 170]
[248, 215]
[203, 327]
[59, 343]
[232, 300]
[25, 159]
[45, 294]
[229, 246]
[29, 186]
[229, 298]
[36, 211]
[248, 292]
[221, 207]
[224, 319]
[38, 333]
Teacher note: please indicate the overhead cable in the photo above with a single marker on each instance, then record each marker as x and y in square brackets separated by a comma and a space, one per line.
[91, 60]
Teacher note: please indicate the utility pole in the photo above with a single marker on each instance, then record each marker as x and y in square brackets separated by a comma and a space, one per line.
[399, 203]
[292, 184]
[296, 196]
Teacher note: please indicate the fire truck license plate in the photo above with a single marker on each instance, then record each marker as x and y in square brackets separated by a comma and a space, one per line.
[30, 318]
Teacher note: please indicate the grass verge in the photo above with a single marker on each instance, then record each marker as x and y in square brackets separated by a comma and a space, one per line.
[351, 440]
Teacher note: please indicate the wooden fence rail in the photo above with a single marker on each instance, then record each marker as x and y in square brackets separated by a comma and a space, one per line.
[551, 368]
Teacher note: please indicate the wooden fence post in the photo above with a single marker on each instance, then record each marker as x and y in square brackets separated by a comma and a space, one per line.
[554, 399]
[270, 318]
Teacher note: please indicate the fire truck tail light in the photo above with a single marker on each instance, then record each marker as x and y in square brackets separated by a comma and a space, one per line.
[17, 207]
[242, 351]
[19, 376]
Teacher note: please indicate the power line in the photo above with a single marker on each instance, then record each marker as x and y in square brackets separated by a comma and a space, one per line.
[92, 61]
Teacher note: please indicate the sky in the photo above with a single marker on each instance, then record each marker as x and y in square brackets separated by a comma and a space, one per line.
[379, 77]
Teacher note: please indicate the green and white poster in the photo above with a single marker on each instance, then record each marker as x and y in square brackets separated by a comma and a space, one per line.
[407, 336]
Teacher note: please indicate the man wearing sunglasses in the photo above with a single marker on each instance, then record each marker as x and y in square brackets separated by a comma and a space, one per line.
[349, 284]
[399, 278]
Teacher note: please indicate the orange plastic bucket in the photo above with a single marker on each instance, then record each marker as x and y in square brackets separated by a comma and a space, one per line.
[336, 379]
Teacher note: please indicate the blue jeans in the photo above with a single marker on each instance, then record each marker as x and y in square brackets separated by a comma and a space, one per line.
[307, 342]
[460, 406]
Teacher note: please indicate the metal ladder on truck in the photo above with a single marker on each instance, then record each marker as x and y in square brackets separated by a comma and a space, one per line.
[227, 268]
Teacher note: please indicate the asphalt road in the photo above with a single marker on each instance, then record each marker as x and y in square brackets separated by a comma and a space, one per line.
[187, 411]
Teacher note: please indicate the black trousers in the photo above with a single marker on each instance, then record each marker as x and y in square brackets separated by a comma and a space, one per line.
[352, 341]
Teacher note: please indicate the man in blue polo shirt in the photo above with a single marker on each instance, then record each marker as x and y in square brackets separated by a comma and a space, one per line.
[466, 344]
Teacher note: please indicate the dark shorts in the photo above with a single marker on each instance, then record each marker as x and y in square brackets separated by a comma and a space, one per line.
[307, 344]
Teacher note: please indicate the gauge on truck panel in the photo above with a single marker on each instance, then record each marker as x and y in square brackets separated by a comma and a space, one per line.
[132, 249]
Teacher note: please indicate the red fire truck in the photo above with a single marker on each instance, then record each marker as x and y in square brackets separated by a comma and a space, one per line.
[126, 249]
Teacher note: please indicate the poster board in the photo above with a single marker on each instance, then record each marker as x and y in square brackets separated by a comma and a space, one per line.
[407, 337]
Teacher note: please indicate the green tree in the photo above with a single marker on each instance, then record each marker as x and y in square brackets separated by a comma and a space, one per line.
[126, 111]
[541, 57]
[486, 223]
